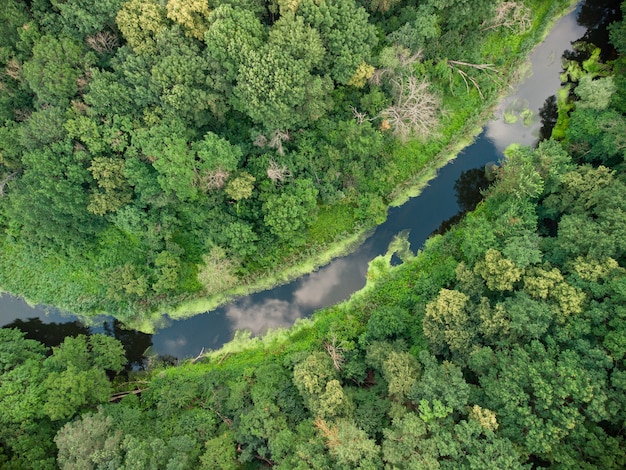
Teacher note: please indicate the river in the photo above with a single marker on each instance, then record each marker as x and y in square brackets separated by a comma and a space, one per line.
[440, 201]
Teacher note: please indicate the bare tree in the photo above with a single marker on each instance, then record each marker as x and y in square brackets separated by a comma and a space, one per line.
[274, 141]
[512, 15]
[275, 172]
[260, 141]
[417, 109]
[335, 352]
[103, 41]
[209, 180]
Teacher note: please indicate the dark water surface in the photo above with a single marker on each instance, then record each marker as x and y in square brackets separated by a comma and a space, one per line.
[438, 203]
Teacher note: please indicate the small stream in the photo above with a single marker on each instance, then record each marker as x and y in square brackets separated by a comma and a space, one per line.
[453, 190]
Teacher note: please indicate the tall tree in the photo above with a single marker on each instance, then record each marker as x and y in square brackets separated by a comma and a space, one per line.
[346, 35]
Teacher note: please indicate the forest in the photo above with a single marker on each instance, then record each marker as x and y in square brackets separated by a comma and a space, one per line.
[153, 153]
[500, 344]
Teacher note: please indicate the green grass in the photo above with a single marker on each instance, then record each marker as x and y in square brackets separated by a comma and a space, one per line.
[332, 222]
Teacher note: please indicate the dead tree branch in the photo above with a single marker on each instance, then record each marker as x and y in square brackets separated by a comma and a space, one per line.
[455, 66]
[198, 357]
[359, 116]
[118, 396]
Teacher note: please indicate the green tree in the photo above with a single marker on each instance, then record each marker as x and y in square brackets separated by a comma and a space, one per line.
[43, 127]
[288, 214]
[191, 14]
[89, 443]
[140, 21]
[220, 453]
[345, 33]
[179, 77]
[447, 323]
[498, 272]
[50, 202]
[233, 33]
[54, 69]
[76, 374]
[312, 377]
[167, 146]
[241, 187]
[217, 154]
[443, 382]
[114, 188]
[85, 17]
[288, 95]
[350, 447]
[20, 392]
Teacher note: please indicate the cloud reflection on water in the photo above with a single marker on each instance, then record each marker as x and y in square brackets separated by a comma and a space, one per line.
[327, 286]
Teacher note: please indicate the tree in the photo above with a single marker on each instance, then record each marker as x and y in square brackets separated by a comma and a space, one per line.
[20, 379]
[233, 33]
[498, 272]
[140, 21]
[168, 272]
[89, 443]
[191, 14]
[53, 71]
[167, 146]
[109, 174]
[216, 155]
[76, 374]
[345, 33]
[349, 445]
[312, 377]
[85, 17]
[538, 394]
[290, 212]
[241, 187]
[443, 382]
[289, 95]
[220, 453]
[43, 127]
[447, 323]
[401, 371]
[50, 199]
[595, 94]
[179, 77]
[416, 110]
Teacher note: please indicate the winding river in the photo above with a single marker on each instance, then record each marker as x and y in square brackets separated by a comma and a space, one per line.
[440, 201]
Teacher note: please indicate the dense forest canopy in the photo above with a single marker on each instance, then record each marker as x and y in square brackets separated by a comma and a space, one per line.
[500, 345]
[157, 151]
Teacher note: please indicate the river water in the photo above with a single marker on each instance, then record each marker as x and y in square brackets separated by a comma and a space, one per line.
[440, 201]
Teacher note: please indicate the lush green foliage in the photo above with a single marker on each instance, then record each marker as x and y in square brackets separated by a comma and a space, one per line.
[148, 148]
[499, 345]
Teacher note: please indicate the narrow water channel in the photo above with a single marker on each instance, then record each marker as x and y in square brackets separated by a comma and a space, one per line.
[515, 120]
